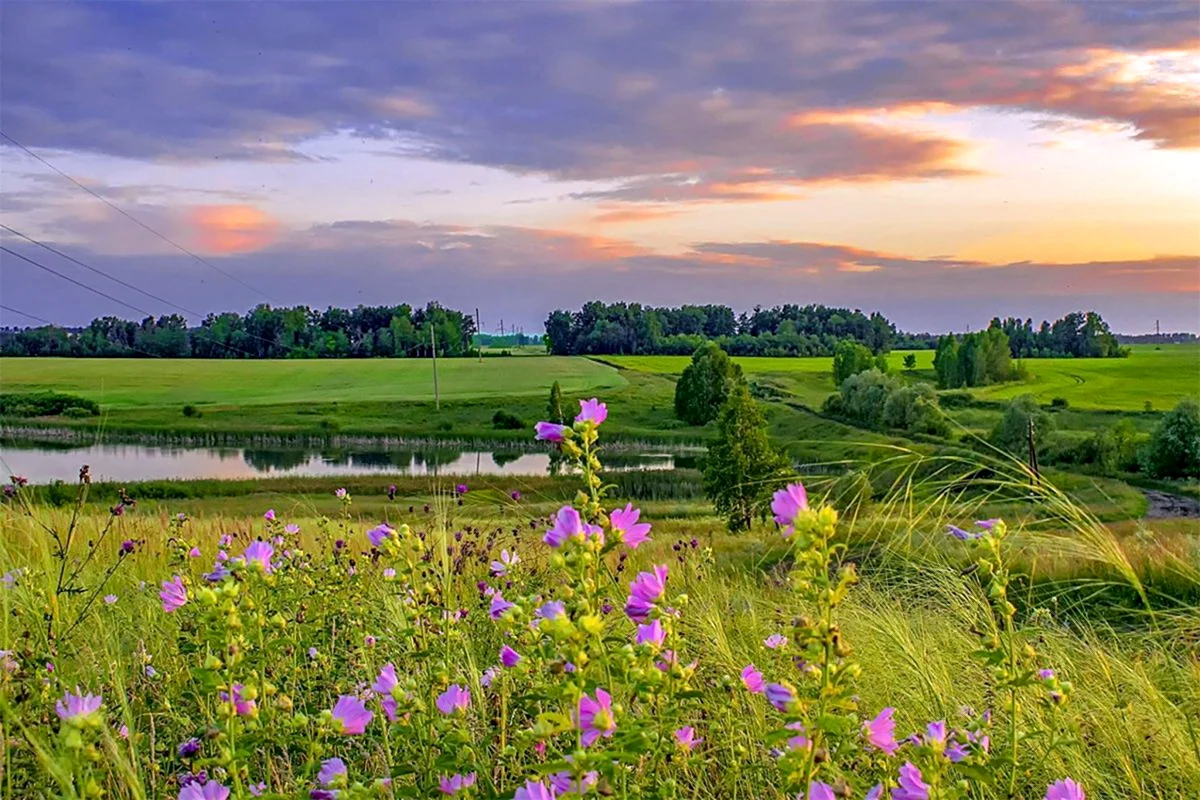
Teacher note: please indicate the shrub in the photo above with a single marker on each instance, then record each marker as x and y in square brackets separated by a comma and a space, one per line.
[506, 421]
[191, 411]
[43, 404]
[851, 358]
[1174, 450]
[1012, 431]
[705, 385]
[77, 412]
[329, 425]
[1060, 403]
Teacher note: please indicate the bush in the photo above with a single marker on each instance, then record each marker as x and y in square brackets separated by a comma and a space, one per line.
[77, 412]
[44, 404]
[1012, 431]
[506, 421]
[330, 425]
[1060, 403]
[874, 400]
[191, 411]
[1174, 450]
[956, 399]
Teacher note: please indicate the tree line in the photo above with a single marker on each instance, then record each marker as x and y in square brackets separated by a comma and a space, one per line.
[263, 332]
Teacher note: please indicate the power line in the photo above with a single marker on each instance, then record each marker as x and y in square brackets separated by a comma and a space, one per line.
[69, 279]
[33, 317]
[137, 221]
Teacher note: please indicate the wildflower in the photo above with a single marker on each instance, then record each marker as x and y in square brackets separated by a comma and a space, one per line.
[7, 662]
[194, 552]
[173, 595]
[369, 641]
[595, 717]
[312, 652]
[291, 529]
[535, 790]
[910, 787]
[456, 698]
[499, 606]
[387, 680]
[350, 716]
[509, 657]
[241, 706]
[323, 794]
[956, 752]
[881, 731]
[507, 561]
[625, 523]
[787, 505]
[128, 546]
[987, 524]
[460, 488]
[1046, 674]
[109, 599]
[225, 540]
[567, 525]
[685, 737]
[775, 641]
[646, 589]
[209, 790]
[549, 432]
[219, 573]
[77, 706]
[455, 783]
[565, 783]
[340, 494]
[257, 789]
[515, 495]
[1065, 789]
[270, 515]
[780, 695]
[875, 792]
[123, 731]
[651, 633]
[259, 553]
[800, 741]
[752, 679]
[391, 492]
[389, 573]
[936, 732]
[552, 610]
[488, 677]
[960, 534]
[332, 770]
[150, 671]
[188, 748]
[820, 791]
[10, 578]
[592, 411]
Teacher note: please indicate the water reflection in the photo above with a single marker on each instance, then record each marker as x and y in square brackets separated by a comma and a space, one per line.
[44, 462]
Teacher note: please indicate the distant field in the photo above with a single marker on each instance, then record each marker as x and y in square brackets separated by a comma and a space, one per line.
[141, 383]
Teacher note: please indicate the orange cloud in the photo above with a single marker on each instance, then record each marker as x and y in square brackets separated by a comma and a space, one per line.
[632, 215]
[228, 229]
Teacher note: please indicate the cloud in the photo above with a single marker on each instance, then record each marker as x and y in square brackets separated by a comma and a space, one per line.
[229, 229]
[631, 215]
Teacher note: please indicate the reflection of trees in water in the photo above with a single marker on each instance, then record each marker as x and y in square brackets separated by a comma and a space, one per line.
[558, 463]
[265, 460]
[436, 457]
[505, 457]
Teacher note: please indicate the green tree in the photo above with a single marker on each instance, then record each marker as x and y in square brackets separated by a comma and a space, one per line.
[741, 468]
[554, 408]
[910, 361]
[946, 363]
[851, 358]
[1012, 431]
[1174, 450]
[705, 385]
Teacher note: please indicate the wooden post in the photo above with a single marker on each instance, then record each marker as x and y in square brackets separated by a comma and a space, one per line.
[437, 401]
[1033, 462]
[479, 332]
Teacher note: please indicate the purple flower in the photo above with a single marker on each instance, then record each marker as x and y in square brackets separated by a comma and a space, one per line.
[987, 524]
[509, 657]
[340, 494]
[389, 573]
[625, 523]
[685, 737]
[387, 680]
[911, 787]
[595, 717]
[75, 706]
[1046, 674]
[173, 594]
[647, 588]
[535, 790]
[956, 752]
[781, 696]
[123, 731]
[881, 731]
[379, 535]
[552, 610]
[1065, 789]
[291, 528]
[270, 515]
[875, 793]
[960, 534]
[460, 488]
[350, 716]
[567, 525]
[820, 791]
[210, 790]
[241, 706]
[220, 572]
[488, 677]
[456, 698]
[499, 606]
[775, 641]
[787, 504]
[592, 411]
[259, 553]
[188, 748]
[128, 546]
[800, 741]
[564, 782]
[514, 494]
[936, 732]
[752, 679]
[225, 540]
[331, 770]
[455, 783]
[651, 633]
[549, 432]
[257, 789]
[507, 561]
[194, 552]
[323, 794]
[109, 599]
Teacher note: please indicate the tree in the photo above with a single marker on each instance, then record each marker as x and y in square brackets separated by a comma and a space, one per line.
[850, 358]
[741, 467]
[554, 408]
[1012, 431]
[910, 361]
[1174, 450]
[705, 384]
[946, 363]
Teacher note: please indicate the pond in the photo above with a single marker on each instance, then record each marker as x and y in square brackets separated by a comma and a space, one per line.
[43, 462]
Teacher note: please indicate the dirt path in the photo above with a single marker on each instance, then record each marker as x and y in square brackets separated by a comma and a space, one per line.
[1170, 506]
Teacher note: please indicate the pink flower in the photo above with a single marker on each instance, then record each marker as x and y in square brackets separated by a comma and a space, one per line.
[211, 790]
[800, 741]
[775, 641]
[1065, 789]
[552, 610]
[507, 561]
[455, 783]
[535, 790]
[567, 525]
[881, 731]
[456, 698]
[241, 706]
[270, 515]
[387, 680]
[647, 588]
[781, 696]
[331, 770]
[752, 679]
[258, 552]
[625, 523]
[685, 737]
[787, 505]
[194, 552]
[173, 594]
[379, 535]
[595, 717]
[350, 716]
[509, 657]
[565, 783]
[592, 411]
[911, 786]
[875, 792]
[820, 791]
[549, 432]
[74, 706]
[499, 606]
[651, 633]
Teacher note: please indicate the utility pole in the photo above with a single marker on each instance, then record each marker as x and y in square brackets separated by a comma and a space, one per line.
[437, 400]
[479, 332]
[1157, 332]
[1033, 462]
[501, 328]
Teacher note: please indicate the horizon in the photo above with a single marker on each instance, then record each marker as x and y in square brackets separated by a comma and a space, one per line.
[941, 163]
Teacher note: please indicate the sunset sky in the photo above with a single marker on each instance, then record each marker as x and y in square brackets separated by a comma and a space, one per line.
[942, 162]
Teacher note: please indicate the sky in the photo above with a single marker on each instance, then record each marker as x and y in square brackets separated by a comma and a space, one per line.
[942, 162]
